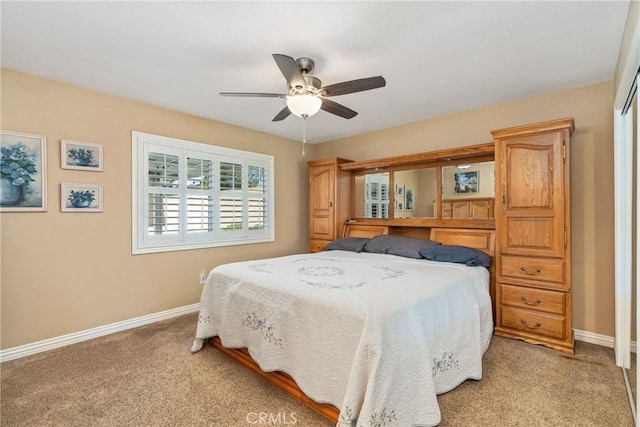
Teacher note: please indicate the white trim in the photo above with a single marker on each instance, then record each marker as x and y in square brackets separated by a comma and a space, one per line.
[628, 63]
[142, 242]
[598, 339]
[623, 193]
[593, 338]
[76, 337]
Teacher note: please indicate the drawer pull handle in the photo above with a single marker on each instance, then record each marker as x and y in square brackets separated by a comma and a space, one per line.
[526, 301]
[530, 273]
[536, 326]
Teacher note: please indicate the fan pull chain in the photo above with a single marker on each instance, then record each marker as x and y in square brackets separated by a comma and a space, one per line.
[304, 132]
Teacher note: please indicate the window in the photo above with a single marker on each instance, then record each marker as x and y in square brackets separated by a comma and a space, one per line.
[188, 195]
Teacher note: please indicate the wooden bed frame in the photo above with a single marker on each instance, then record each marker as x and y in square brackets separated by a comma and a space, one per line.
[483, 240]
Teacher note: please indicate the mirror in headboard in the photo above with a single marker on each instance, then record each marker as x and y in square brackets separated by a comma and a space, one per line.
[468, 190]
[415, 193]
[447, 184]
[372, 195]
[407, 193]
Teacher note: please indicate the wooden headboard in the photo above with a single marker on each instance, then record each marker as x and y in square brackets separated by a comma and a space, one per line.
[484, 240]
[481, 239]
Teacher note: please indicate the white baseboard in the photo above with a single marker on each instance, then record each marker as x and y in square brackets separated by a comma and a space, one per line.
[598, 339]
[64, 340]
[603, 340]
[593, 338]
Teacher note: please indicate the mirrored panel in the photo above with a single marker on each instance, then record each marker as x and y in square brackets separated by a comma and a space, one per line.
[414, 194]
[372, 195]
[468, 191]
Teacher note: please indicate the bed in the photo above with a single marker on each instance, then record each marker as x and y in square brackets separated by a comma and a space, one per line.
[362, 338]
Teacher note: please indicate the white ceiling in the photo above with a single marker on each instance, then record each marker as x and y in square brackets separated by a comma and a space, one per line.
[437, 57]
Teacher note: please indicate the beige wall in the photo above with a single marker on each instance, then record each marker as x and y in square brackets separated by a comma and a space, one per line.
[66, 272]
[591, 177]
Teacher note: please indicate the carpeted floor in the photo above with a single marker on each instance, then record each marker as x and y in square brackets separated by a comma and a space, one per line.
[147, 377]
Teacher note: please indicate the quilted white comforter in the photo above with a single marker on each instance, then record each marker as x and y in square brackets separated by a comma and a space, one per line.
[377, 336]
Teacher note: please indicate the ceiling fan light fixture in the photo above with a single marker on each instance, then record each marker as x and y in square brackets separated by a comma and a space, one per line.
[304, 105]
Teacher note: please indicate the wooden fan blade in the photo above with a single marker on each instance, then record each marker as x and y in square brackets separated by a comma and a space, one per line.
[249, 94]
[354, 86]
[283, 114]
[337, 109]
[290, 71]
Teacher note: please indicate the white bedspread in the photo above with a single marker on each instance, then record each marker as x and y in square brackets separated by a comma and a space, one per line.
[377, 336]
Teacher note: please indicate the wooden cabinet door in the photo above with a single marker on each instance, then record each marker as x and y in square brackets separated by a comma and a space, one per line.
[530, 211]
[479, 209]
[321, 200]
[460, 210]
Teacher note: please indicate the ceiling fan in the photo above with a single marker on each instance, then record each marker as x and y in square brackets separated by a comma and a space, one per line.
[306, 94]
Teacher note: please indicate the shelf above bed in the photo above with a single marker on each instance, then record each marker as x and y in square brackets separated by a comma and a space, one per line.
[486, 224]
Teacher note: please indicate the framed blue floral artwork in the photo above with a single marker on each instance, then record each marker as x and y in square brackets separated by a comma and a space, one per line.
[23, 172]
[81, 156]
[81, 197]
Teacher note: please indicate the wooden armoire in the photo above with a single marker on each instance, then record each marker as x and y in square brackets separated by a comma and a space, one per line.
[329, 201]
[533, 257]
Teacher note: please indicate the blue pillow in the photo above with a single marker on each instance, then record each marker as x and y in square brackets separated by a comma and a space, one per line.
[408, 247]
[459, 254]
[352, 244]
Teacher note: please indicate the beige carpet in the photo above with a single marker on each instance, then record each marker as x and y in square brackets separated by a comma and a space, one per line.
[147, 377]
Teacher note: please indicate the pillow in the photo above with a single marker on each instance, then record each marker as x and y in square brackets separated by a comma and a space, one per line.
[408, 247]
[460, 254]
[353, 244]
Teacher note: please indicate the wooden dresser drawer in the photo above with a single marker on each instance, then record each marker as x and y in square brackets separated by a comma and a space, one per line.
[533, 298]
[533, 322]
[528, 268]
[317, 245]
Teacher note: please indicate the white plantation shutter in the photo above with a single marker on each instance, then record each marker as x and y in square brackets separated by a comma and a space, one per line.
[200, 202]
[189, 195]
[377, 196]
[257, 187]
[163, 193]
[231, 200]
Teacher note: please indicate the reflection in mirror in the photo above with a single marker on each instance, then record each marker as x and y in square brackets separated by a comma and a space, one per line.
[468, 191]
[415, 193]
[372, 195]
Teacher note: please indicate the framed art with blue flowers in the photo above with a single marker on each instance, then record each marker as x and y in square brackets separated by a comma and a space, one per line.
[81, 197]
[23, 172]
[81, 155]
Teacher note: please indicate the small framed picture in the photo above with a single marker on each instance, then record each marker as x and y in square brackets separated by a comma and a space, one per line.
[399, 207]
[399, 190]
[81, 155]
[408, 197]
[466, 182]
[81, 198]
[23, 172]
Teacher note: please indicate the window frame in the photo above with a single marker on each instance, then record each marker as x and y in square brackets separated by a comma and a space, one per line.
[143, 242]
